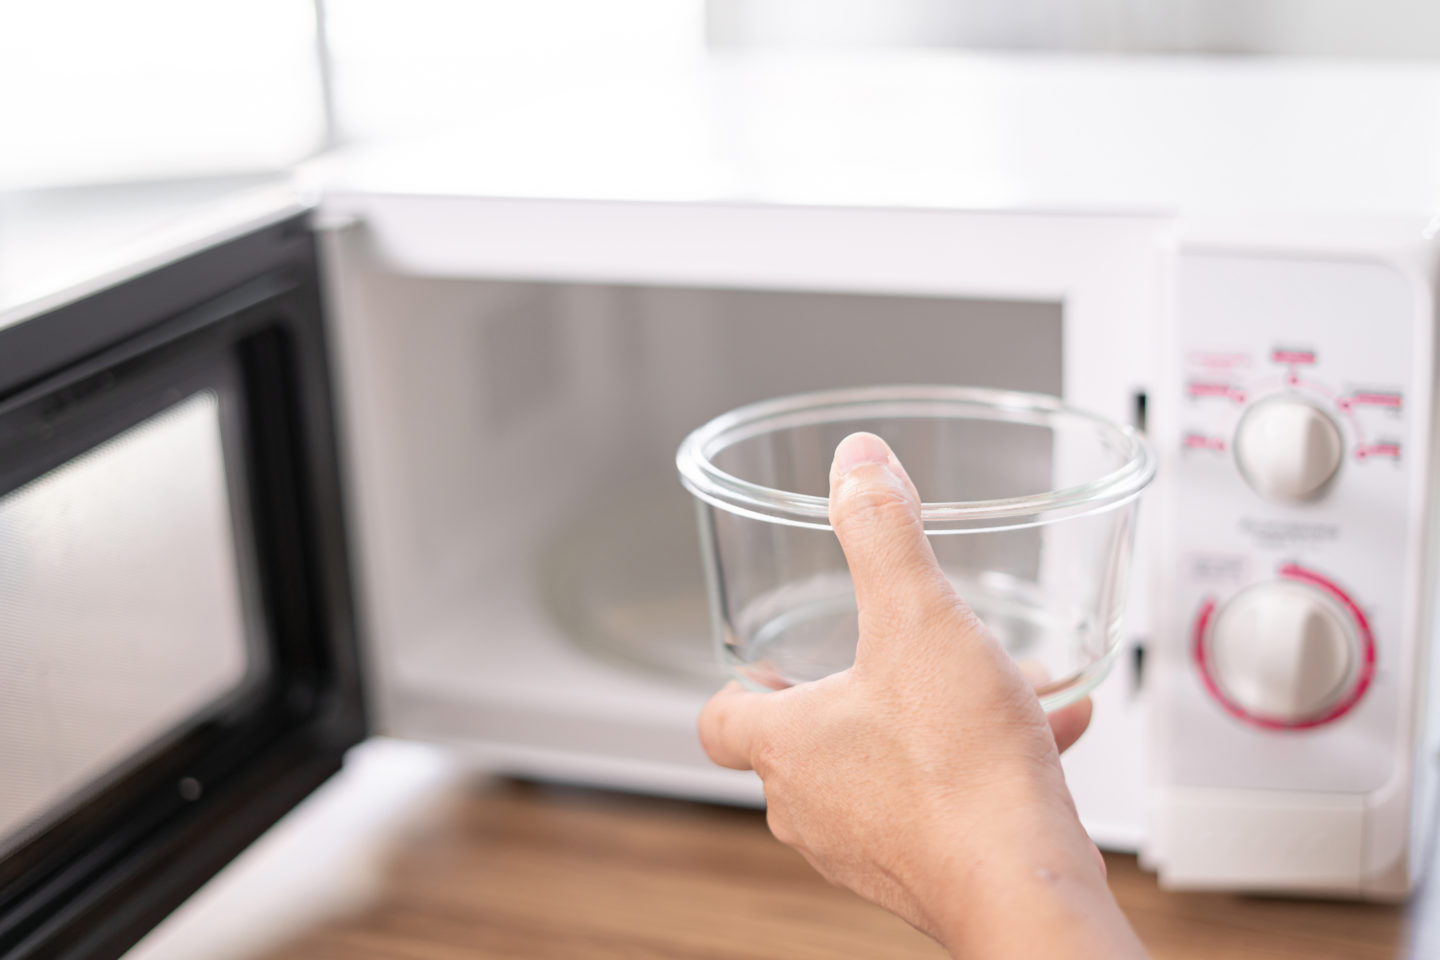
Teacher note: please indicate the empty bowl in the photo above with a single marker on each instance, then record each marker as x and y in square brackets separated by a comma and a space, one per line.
[1029, 503]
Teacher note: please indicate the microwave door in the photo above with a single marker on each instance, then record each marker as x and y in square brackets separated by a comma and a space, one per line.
[178, 651]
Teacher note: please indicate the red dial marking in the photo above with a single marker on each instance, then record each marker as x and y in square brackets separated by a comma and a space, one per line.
[1202, 388]
[1391, 400]
[1198, 651]
[1391, 450]
[1198, 441]
[1366, 676]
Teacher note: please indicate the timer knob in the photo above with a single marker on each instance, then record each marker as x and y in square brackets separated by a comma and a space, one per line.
[1287, 449]
[1283, 651]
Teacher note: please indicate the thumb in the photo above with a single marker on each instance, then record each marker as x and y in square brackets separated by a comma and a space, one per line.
[875, 512]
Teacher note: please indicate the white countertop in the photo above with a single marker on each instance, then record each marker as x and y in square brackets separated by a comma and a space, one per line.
[1189, 135]
[323, 859]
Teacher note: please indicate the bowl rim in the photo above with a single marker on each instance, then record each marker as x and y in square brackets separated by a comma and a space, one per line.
[695, 456]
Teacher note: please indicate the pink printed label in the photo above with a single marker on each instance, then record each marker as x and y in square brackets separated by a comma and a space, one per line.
[1198, 441]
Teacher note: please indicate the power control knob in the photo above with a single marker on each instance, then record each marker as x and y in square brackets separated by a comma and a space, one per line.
[1283, 652]
[1287, 449]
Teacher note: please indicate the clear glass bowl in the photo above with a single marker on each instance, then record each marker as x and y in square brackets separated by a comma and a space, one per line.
[1030, 505]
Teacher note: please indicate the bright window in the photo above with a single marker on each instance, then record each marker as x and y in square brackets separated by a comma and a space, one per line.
[97, 91]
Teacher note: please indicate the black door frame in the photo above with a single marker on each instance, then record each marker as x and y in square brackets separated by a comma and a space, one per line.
[243, 318]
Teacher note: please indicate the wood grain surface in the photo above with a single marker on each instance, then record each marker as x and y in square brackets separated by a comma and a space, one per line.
[506, 870]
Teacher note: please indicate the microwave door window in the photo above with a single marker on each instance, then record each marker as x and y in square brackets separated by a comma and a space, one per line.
[179, 659]
[123, 614]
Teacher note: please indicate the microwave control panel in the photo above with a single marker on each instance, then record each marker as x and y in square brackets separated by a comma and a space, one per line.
[1293, 493]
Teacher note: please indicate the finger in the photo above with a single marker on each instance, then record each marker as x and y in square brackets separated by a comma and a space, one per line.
[729, 725]
[1066, 724]
[1069, 722]
[875, 512]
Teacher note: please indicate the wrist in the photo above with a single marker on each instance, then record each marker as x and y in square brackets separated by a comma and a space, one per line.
[1021, 878]
[1030, 907]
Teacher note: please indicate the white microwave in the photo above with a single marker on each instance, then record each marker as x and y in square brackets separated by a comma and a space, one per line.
[400, 458]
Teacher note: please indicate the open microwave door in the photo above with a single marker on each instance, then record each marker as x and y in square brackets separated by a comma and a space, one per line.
[178, 652]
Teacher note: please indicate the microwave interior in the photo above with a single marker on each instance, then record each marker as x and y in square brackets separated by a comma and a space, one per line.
[532, 572]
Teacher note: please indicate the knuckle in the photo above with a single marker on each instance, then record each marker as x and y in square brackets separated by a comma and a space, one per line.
[764, 757]
[873, 509]
[862, 502]
[959, 616]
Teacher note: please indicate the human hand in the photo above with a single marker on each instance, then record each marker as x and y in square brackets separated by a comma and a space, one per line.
[926, 777]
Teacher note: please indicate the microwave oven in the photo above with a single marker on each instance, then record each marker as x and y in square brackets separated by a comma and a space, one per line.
[398, 456]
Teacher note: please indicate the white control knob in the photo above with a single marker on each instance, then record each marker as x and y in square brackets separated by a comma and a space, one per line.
[1287, 449]
[1283, 651]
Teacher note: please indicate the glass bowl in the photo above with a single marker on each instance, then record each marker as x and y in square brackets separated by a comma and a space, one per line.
[1030, 505]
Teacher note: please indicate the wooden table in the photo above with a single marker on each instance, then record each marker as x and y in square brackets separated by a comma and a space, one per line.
[505, 870]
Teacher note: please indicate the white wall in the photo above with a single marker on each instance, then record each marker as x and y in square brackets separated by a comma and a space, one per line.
[96, 91]
[1380, 28]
